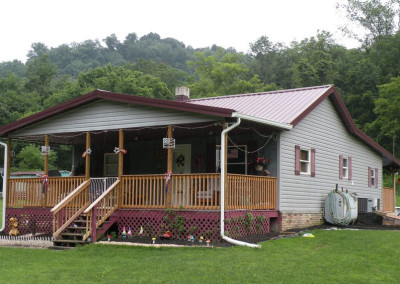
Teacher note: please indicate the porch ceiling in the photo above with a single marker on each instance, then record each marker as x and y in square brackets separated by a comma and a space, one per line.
[199, 130]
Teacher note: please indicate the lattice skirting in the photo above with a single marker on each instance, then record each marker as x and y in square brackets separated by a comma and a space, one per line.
[182, 223]
[238, 223]
[28, 218]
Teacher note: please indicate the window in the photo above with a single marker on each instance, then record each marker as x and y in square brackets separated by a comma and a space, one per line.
[304, 161]
[344, 167]
[236, 157]
[372, 177]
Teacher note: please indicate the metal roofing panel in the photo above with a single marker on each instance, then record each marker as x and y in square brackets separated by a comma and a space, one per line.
[280, 106]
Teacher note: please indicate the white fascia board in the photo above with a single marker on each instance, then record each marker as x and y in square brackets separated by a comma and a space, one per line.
[285, 126]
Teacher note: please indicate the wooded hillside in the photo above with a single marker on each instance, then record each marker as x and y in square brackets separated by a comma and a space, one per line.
[367, 78]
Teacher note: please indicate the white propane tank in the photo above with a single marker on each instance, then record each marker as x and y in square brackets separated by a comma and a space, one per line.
[340, 208]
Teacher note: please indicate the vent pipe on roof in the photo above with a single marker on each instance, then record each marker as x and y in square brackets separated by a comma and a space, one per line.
[182, 94]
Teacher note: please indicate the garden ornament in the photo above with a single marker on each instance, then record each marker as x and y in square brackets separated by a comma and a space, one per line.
[14, 227]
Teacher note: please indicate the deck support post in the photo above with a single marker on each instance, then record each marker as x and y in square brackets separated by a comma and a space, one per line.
[169, 167]
[93, 225]
[87, 160]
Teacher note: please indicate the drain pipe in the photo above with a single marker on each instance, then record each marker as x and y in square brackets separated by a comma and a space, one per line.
[223, 172]
[3, 221]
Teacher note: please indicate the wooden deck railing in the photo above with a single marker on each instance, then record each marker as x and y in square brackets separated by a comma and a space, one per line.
[143, 191]
[187, 191]
[198, 191]
[101, 209]
[250, 192]
[195, 191]
[28, 192]
[67, 210]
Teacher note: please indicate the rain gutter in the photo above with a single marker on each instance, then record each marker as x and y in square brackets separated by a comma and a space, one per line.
[285, 126]
[223, 174]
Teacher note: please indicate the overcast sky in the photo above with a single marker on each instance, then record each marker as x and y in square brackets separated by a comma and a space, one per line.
[196, 23]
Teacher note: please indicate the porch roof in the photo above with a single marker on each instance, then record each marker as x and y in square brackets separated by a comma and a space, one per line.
[97, 95]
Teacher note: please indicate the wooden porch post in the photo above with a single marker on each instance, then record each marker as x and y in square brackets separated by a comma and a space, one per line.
[87, 160]
[46, 157]
[7, 178]
[120, 155]
[45, 168]
[169, 166]
[120, 165]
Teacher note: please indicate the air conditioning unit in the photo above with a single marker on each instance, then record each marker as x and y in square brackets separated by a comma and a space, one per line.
[372, 204]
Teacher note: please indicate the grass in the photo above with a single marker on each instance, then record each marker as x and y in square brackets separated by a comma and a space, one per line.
[330, 257]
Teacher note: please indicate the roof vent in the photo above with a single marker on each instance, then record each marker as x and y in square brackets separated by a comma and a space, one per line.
[182, 94]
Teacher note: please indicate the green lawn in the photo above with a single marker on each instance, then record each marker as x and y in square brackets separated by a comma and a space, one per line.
[330, 257]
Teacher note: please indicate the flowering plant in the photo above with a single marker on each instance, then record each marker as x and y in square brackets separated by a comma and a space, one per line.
[260, 161]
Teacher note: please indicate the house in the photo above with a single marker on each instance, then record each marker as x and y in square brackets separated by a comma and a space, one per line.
[186, 165]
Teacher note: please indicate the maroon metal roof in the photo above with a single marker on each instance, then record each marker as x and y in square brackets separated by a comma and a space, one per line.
[106, 95]
[291, 106]
[279, 106]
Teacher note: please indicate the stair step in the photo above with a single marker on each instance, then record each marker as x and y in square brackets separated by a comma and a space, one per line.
[76, 228]
[72, 234]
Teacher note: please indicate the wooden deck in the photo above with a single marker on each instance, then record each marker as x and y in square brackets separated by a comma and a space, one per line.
[185, 191]
[94, 200]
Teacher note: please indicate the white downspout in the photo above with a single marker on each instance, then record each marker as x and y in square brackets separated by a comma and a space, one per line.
[5, 174]
[223, 151]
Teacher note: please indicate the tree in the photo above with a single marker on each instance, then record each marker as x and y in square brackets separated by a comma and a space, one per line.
[40, 74]
[114, 79]
[376, 17]
[387, 109]
[31, 159]
[223, 74]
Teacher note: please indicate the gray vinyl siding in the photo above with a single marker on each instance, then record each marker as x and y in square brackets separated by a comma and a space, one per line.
[324, 131]
[106, 115]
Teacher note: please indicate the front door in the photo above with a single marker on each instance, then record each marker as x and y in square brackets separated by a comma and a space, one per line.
[181, 159]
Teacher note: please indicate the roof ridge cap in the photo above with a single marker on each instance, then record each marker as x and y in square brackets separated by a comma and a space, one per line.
[264, 93]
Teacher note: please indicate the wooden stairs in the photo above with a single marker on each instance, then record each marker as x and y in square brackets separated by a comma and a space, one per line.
[73, 234]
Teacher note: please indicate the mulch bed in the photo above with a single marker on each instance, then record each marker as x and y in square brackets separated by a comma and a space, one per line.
[254, 239]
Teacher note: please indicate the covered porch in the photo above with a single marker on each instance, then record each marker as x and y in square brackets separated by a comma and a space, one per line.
[189, 166]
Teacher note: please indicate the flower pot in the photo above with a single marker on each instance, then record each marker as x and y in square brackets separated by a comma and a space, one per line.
[259, 168]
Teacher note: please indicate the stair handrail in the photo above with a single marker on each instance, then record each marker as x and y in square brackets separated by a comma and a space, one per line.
[62, 219]
[93, 220]
[94, 203]
[71, 195]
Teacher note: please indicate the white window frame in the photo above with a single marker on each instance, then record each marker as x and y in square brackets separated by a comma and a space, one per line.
[345, 169]
[307, 162]
[373, 177]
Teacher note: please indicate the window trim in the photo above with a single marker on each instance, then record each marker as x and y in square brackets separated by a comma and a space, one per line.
[298, 161]
[373, 177]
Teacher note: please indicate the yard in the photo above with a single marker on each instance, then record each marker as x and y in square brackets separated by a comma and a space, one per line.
[331, 257]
